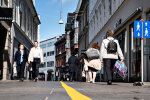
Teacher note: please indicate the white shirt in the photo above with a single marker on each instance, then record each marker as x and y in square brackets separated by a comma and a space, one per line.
[110, 56]
[36, 53]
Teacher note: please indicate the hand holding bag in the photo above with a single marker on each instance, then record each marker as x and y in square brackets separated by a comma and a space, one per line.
[121, 69]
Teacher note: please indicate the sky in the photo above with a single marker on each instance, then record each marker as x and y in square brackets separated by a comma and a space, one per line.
[49, 11]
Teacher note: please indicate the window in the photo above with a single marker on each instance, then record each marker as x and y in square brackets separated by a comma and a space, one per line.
[51, 53]
[48, 53]
[50, 64]
[44, 65]
[50, 44]
[43, 46]
[110, 7]
[20, 11]
[44, 54]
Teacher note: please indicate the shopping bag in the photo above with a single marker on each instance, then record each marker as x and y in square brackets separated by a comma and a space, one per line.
[14, 70]
[85, 67]
[83, 73]
[121, 69]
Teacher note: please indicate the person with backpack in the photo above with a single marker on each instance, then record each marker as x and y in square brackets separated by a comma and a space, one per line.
[110, 50]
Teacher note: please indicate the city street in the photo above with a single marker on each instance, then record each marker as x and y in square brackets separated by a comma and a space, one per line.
[28, 90]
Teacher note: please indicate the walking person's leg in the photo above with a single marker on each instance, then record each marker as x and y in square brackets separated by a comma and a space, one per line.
[108, 69]
[22, 72]
[33, 70]
[90, 75]
[37, 69]
[71, 76]
[18, 71]
[94, 76]
[87, 76]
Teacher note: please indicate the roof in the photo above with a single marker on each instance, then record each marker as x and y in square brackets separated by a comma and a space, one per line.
[47, 39]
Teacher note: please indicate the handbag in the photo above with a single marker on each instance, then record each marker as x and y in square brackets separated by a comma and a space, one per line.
[92, 53]
[83, 73]
[30, 67]
[121, 69]
[85, 67]
[14, 69]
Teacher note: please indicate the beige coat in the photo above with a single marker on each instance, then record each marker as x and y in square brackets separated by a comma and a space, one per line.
[96, 63]
[31, 54]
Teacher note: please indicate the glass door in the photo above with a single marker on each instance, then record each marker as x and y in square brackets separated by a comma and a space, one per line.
[134, 55]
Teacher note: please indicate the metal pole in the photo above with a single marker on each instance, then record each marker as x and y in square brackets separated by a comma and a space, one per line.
[142, 43]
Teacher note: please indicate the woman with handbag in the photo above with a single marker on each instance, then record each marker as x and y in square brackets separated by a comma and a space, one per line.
[94, 63]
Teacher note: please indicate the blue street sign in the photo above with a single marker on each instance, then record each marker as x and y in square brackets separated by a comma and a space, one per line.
[146, 29]
[137, 29]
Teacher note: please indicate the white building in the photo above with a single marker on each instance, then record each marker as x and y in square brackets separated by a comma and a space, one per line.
[22, 27]
[47, 71]
[120, 15]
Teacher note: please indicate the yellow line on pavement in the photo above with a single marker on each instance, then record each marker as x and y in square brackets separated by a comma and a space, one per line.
[75, 95]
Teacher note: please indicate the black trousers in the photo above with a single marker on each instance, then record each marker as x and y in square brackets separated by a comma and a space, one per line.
[20, 70]
[108, 68]
[73, 76]
[35, 67]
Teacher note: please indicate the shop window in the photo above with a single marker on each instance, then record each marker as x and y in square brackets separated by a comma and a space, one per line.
[121, 40]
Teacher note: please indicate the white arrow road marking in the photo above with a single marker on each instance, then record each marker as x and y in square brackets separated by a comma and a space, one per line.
[46, 98]
[51, 91]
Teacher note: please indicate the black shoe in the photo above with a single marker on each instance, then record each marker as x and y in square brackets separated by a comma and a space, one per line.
[109, 83]
[21, 80]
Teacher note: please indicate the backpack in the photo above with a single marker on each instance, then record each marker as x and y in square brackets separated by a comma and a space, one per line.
[111, 47]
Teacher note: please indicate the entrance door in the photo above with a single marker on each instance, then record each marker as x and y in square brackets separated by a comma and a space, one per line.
[134, 55]
[3, 35]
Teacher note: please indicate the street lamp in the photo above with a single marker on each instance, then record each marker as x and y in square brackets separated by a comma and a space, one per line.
[61, 21]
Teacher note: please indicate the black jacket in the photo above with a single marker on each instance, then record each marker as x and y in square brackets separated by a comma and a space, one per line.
[18, 57]
[73, 64]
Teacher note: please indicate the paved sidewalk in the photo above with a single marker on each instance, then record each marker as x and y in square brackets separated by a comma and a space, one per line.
[29, 90]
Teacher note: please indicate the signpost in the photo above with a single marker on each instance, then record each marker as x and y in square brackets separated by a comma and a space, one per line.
[142, 30]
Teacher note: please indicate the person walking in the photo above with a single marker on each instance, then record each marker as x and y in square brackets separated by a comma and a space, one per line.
[21, 59]
[36, 58]
[84, 66]
[73, 67]
[110, 50]
[94, 63]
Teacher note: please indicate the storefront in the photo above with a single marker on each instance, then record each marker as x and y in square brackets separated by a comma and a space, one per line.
[5, 42]
[131, 48]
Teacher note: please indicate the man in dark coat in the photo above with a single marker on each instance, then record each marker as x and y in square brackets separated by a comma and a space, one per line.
[21, 59]
[73, 67]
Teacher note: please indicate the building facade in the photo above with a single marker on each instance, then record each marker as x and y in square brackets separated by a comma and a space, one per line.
[61, 69]
[82, 18]
[71, 35]
[23, 28]
[47, 71]
[120, 15]
[6, 16]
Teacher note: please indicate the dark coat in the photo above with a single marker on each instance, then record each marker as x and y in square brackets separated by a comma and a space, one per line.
[18, 58]
[73, 64]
